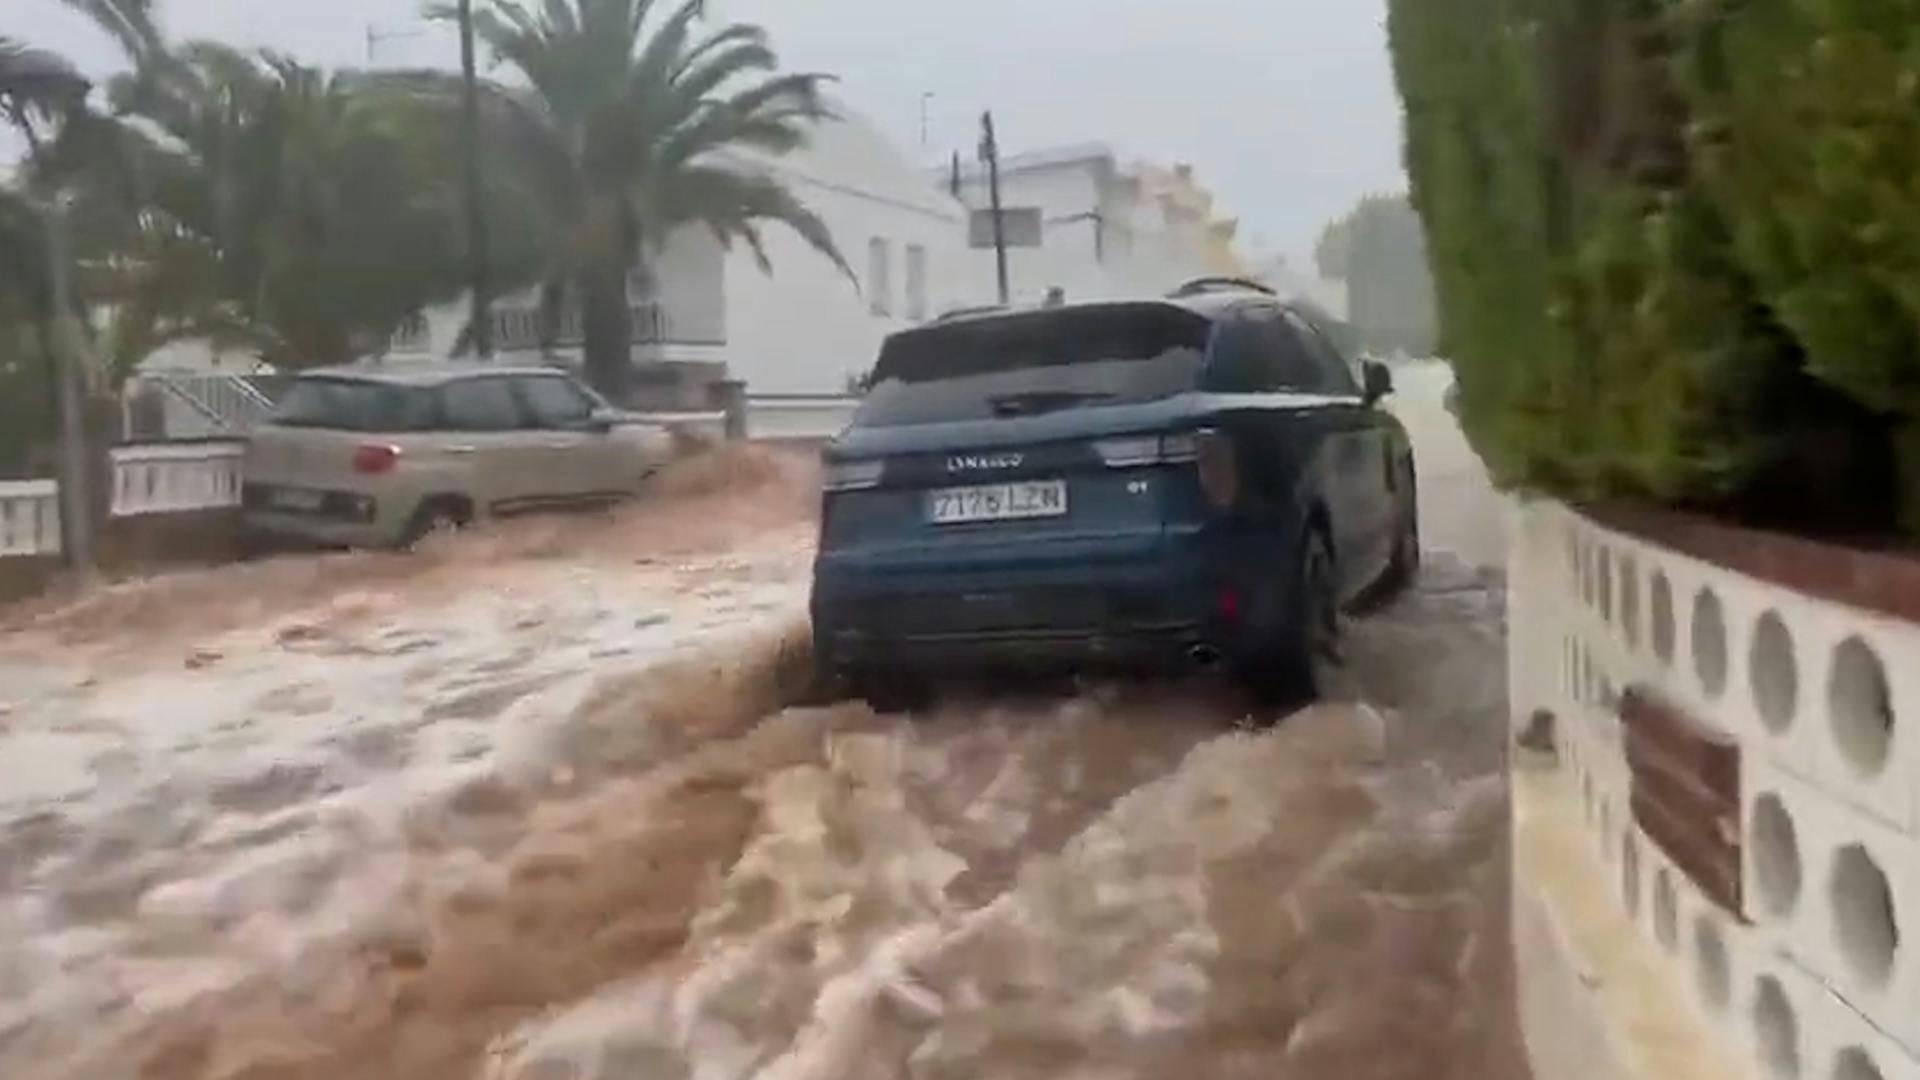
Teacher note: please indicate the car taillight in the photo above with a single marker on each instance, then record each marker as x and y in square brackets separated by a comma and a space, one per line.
[853, 475]
[1131, 451]
[375, 458]
[1219, 471]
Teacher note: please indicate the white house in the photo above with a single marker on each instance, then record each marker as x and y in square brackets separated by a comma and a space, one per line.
[803, 327]
[1107, 229]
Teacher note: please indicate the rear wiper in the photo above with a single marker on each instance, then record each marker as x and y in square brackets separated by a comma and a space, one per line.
[1040, 401]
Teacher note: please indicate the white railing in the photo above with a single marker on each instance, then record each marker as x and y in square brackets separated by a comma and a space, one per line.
[771, 418]
[798, 417]
[167, 479]
[219, 404]
[29, 517]
[1817, 971]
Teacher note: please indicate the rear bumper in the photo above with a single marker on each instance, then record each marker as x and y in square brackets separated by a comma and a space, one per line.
[363, 518]
[1166, 648]
[321, 530]
[1148, 605]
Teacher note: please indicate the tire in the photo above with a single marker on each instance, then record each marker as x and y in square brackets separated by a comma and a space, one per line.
[433, 518]
[1404, 570]
[889, 693]
[1308, 640]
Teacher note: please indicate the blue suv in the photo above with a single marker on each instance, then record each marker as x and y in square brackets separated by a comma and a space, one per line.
[1197, 481]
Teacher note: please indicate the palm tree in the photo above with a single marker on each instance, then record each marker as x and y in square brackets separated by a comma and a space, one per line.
[37, 88]
[281, 207]
[630, 127]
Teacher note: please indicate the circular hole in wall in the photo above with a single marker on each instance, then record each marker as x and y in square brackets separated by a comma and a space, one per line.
[1863, 915]
[1773, 673]
[1630, 873]
[1606, 830]
[1710, 963]
[1776, 856]
[1603, 582]
[1666, 909]
[1629, 601]
[1661, 602]
[1853, 1063]
[1859, 706]
[1776, 1031]
[1709, 643]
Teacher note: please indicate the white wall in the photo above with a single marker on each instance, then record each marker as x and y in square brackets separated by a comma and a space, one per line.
[1821, 700]
[806, 327]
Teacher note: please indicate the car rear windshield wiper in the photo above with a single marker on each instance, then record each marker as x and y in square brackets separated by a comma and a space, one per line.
[1040, 401]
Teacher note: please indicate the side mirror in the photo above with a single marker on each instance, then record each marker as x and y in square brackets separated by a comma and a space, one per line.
[602, 420]
[1377, 380]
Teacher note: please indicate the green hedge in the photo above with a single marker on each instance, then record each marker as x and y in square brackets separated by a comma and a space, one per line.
[1676, 244]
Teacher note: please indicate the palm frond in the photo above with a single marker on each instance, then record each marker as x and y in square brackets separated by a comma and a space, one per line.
[772, 116]
[732, 203]
[34, 82]
[130, 23]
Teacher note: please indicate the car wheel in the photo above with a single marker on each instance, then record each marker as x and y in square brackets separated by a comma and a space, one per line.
[890, 692]
[433, 519]
[1308, 643]
[1405, 568]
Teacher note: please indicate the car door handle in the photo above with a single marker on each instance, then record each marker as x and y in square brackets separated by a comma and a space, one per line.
[563, 444]
[463, 449]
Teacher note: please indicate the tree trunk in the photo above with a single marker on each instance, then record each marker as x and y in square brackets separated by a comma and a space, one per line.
[607, 325]
[63, 342]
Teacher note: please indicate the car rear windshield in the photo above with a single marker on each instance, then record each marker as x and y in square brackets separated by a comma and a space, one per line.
[1035, 362]
[355, 405]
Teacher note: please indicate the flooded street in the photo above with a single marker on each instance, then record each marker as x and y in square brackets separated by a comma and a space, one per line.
[551, 804]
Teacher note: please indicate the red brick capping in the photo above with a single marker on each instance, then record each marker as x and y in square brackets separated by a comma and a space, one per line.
[1686, 792]
[1884, 579]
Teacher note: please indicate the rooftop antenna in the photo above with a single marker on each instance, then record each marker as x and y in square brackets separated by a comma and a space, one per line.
[376, 37]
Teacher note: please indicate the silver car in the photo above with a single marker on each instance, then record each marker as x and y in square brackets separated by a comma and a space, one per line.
[379, 456]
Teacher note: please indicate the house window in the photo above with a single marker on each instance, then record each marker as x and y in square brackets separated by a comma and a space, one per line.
[879, 278]
[916, 282]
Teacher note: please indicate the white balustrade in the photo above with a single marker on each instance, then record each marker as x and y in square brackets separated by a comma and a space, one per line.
[166, 479]
[799, 417]
[1819, 974]
[29, 517]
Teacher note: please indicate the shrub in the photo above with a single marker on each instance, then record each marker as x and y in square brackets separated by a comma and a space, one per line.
[1676, 244]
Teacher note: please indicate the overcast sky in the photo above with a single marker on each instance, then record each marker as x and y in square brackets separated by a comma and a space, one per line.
[1284, 107]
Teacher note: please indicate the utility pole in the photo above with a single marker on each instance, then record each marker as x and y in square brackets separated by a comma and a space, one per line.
[476, 212]
[990, 153]
[925, 98]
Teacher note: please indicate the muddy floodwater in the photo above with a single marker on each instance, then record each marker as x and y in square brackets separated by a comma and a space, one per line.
[551, 803]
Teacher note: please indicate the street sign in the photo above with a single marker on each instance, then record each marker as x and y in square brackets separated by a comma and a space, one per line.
[1020, 224]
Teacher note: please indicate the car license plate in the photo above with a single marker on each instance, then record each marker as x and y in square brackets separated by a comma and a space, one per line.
[998, 502]
[295, 499]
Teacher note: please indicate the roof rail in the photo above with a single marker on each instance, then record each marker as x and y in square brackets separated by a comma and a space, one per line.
[1219, 284]
[963, 312]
